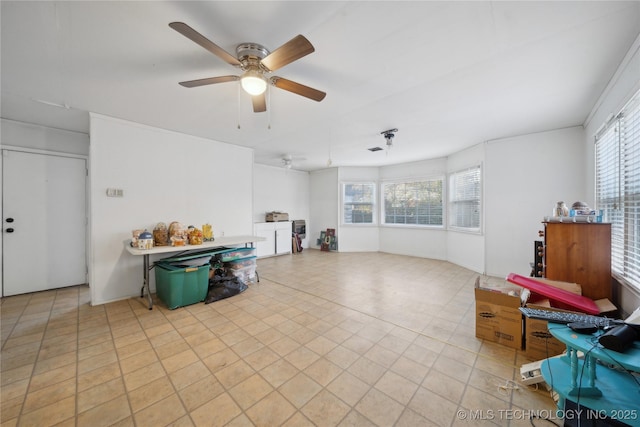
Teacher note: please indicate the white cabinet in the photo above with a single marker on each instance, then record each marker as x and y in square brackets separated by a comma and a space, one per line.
[277, 238]
[283, 237]
[267, 231]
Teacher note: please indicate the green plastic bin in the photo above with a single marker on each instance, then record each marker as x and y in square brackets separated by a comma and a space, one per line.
[180, 286]
[190, 259]
[233, 254]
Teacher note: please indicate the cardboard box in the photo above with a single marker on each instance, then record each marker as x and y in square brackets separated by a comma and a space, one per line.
[277, 216]
[498, 318]
[538, 342]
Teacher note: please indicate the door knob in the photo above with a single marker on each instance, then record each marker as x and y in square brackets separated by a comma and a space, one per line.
[9, 219]
[9, 230]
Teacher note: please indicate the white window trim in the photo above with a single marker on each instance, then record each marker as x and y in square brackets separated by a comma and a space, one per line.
[623, 267]
[480, 229]
[375, 210]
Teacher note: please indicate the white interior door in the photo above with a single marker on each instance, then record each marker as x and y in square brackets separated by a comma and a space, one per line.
[44, 222]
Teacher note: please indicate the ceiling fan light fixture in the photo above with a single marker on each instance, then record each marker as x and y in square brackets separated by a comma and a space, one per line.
[388, 136]
[253, 82]
[256, 62]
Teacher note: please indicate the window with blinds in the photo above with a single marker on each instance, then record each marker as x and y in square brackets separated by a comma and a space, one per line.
[617, 152]
[418, 203]
[358, 203]
[465, 199]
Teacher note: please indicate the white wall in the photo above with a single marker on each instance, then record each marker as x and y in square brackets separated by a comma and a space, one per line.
[625, 83]
[357, 237]
[525, 176]
[428, 243]
[35, 137]
[283, 190]
[323, 204]
[166, 176]
[414, 242]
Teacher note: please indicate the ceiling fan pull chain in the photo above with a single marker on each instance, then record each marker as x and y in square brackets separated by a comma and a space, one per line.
[269, 108]
[238, 109]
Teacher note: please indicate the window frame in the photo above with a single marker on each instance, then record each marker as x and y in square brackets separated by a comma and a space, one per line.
[383, 201]
[374, 204]
[450, 200]
[616, 169]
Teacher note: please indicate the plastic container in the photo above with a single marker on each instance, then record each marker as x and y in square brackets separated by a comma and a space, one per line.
[194, 262]
[238, 253]
[241, 263]
[191, 259]
[181, 286]
[246, 274]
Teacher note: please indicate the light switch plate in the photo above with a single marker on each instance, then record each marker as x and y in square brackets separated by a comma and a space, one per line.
[115, 192]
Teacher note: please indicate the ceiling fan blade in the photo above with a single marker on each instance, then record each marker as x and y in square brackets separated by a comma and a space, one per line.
[195, 36]
[259, 103]
[209, 81]
[298, 88]
[292, 50]
[52, 104]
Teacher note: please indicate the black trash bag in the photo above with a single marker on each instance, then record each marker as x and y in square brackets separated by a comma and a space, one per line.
[221, 287]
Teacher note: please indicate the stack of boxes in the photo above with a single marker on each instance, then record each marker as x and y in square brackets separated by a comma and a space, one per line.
[498, 319]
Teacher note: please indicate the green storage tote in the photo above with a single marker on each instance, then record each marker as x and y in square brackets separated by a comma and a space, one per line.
[191, 259]
[233, 254]
[180, 286]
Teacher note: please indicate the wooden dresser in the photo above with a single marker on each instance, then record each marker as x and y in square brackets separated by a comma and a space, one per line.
[579, 253]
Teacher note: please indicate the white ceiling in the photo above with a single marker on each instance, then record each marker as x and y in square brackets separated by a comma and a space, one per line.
[448, 75]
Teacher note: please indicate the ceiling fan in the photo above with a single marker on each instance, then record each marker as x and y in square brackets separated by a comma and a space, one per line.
[257, 63]
[287, 160]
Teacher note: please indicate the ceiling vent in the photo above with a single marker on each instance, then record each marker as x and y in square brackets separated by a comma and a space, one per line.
[373, 149]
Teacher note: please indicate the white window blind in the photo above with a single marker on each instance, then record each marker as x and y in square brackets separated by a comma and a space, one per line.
[464, 199]
[358, 203]
[618, 189]
[417, 202]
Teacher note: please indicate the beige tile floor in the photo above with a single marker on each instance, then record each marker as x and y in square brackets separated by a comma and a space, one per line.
[325, 338]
